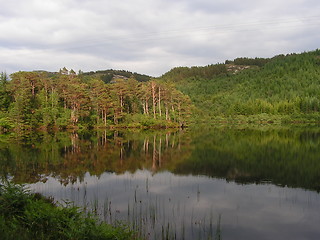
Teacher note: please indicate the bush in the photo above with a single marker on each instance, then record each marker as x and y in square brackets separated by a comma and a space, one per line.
[5, 124]
[24, 215]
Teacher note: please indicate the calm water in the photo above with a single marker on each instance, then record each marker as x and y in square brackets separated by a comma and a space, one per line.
[204, 183]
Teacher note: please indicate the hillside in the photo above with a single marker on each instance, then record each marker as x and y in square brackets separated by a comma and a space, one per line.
[285, 85]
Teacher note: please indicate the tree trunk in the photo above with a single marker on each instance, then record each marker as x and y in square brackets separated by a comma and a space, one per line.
[154, 153]
[159, 101]
[115, 120]
[105, 117]
[167, 113]
[147, 107]
[121, 102]
[33, 89]
[159, 151]
[144, 108]
[153, 88]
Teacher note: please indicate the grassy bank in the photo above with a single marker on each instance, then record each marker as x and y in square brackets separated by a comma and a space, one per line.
[24, 215]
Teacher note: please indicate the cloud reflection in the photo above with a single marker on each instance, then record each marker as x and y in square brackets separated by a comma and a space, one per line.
[247, 211]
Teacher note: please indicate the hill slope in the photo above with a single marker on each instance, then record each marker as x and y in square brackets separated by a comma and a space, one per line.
[282, 85]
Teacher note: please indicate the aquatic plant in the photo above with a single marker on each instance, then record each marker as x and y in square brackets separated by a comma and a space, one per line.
[152, 216]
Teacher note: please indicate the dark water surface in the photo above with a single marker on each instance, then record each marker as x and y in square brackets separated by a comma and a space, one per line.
[200, 183]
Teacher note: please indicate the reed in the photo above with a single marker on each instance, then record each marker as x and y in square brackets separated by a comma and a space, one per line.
[154, 217]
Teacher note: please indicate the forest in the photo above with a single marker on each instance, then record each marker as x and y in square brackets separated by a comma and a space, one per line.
[61, 100]
[284, 88]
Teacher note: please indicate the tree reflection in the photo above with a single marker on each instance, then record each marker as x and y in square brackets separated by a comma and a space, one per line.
[69, 156]
[284, 156]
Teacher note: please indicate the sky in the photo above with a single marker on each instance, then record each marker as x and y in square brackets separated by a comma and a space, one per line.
[150, 36]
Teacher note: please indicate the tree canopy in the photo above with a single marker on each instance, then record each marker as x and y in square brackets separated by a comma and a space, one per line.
[64, 99]
[285, 85]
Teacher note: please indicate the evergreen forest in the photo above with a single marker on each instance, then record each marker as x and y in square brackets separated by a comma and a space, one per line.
[284, 88]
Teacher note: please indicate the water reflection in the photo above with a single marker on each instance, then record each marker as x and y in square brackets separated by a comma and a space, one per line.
[69, 156]
[192, 184]
[285, 156]
[191, 205]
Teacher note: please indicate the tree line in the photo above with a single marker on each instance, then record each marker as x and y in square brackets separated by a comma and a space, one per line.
[107, 75]
[66, 99]
[285, 85]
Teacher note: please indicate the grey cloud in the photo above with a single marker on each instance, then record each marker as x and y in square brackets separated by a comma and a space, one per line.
[219, 6]
[151, 35]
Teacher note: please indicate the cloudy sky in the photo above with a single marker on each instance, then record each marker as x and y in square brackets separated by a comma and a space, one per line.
[150, 36]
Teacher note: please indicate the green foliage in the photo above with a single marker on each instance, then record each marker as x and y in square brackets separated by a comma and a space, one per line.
[283, 85]
[66, 100]
[14, 199]
[6, 124]
[63, 120]
[181, 73]
[144, 121]
[249, 61]
[107, 75]
[30, 216]
[5, 98]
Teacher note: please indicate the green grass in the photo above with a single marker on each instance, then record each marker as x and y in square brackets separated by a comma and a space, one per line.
[25, 215]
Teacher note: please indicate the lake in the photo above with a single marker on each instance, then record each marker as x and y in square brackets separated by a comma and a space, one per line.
[206, 182]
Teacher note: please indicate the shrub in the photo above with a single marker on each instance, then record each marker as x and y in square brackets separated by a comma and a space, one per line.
[24, 215]
[5, 124]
